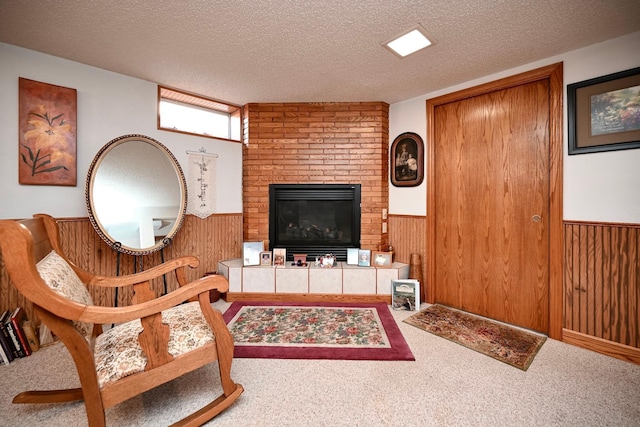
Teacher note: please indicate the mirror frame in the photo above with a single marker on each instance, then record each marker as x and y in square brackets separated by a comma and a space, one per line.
[97, 225]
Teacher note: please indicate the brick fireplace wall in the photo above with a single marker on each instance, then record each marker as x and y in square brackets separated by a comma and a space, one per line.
[316, 143]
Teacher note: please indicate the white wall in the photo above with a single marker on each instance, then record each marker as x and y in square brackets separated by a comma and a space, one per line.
[109, 105]
[597, 187]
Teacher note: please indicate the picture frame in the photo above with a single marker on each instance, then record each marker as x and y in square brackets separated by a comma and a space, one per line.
[265, 258]
[381, 259]
[47, 134]
[251, 253]
[405, 294]
[601, 112]
[364, 258]
[352, 256]
[279, 256]
[407, 160]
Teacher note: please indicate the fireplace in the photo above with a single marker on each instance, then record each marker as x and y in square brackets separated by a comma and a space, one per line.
[314, 219]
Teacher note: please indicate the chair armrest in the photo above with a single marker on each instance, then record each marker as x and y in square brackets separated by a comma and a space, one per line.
[105, 315]
[143, 276]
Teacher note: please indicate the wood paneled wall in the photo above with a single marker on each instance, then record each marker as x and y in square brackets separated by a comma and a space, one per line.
[602, 288]
[602, 281]
[408, 235]
[212, 239]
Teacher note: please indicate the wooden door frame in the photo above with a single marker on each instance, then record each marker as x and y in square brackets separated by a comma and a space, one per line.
[554, 74]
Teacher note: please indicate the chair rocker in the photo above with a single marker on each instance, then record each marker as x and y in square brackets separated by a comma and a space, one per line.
[162, 338]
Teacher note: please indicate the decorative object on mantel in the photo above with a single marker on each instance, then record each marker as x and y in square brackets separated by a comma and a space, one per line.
[364, 258]
[381, 259]
[251, 252]
[299, 260]
[279, 256]
[407, 160]
[352, 256]
[265, 258]
[201, 183]
[326, 261]
[47, 130]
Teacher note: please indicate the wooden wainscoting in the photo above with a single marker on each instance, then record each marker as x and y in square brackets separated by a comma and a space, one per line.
[602, 288]
[408, 235]
[213, 239]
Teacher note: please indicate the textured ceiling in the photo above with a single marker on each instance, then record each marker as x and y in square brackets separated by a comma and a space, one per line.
[309, 51]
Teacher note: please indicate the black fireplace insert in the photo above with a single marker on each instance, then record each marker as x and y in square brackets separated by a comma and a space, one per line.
[314, 219]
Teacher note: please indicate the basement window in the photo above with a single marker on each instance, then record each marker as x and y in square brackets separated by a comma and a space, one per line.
[196, 115]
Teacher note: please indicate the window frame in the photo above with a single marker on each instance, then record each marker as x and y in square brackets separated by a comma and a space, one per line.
[202, 102]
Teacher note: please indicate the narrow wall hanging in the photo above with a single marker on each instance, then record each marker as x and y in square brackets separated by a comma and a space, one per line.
[47, 131]
[407, 160]
[201, 183]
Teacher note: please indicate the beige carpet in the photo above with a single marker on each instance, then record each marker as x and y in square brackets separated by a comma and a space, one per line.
[447, 385]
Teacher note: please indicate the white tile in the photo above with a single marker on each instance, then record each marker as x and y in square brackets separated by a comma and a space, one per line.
[325, 280]
[384, 277]
[292, 280]
[258, 279]
[232, 270]
[359, 280]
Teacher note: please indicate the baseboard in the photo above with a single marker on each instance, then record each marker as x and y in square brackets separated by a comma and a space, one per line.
[272, 297]
[599, 345]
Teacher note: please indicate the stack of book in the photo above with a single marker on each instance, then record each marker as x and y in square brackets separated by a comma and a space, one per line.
[17, 336]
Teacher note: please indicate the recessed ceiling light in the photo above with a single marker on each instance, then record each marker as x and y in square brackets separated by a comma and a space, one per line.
[408, 42]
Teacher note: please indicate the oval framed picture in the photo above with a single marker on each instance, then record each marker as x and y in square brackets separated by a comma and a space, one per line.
[407, 160]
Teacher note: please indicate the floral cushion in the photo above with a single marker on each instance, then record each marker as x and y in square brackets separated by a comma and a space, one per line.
[61, 278]
[119, 354]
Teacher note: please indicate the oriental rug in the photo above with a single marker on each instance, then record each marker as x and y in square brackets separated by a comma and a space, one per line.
[316, 331]
[505, 343]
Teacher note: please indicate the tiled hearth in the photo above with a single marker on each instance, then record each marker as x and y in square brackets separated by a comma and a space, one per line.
[342, 279]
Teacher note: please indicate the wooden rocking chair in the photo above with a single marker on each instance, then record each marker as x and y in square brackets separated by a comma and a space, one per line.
[163, 338]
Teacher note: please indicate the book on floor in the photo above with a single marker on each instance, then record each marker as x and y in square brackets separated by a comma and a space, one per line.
[5, 338]
[405, 294]
[16, 321]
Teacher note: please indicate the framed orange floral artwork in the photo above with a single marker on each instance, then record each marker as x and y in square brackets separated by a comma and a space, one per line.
[47, 150]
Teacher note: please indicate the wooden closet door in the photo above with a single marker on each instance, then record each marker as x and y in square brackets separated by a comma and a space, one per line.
[492, 205]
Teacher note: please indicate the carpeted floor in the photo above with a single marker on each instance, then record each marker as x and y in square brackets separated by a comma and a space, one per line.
[508, 344]
[316, 331]
[447, 385]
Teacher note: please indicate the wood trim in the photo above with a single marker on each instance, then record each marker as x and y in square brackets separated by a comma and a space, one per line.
[554, 73]
[599, 345]
[319, 298]
[602, 223]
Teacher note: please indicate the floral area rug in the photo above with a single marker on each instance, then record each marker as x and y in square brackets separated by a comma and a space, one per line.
[316, 331]
[502, 342]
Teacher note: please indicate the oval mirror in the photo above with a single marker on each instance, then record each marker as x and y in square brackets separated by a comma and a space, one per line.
[136, 194]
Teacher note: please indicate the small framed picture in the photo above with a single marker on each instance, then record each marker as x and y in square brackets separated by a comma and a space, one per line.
[251, 253]
[364, 258]
[279, 256]
[381, 259]
[352, 256]
[265, 258]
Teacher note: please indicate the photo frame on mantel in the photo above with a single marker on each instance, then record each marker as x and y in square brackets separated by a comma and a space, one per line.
[602, 113]
[407, 160]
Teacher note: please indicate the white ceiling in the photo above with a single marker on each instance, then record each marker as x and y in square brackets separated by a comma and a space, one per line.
[309, 51]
